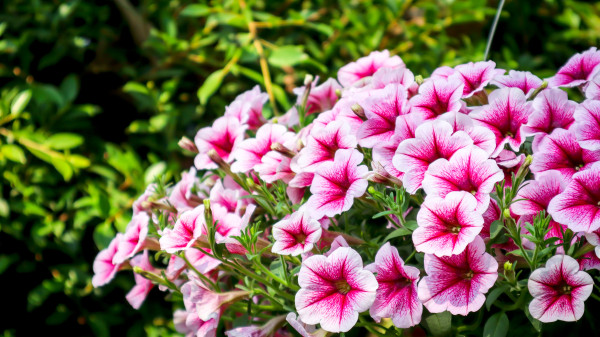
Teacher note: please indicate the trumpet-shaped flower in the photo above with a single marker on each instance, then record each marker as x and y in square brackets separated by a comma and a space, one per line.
[382, 108]
[334, 290]
[433, 140]
[396, 295]
[250, 152]
[367, 66]
[323, 143]
[223, 136]
[337, 183]
[296, 234]
[104, 267]
[321, 97]
[559, 290]
[437, 97]
[579, 69]
[230, 198]
[535, 196]
[507, 111]
[203, 263]
[400, 75]
[448, 225]
[137, 295]
[188, 323]
[587, 125]
[578, 206]
[181, 195]
[560, 151]
[247, 108]
[458, 283]
[475, 76]
[469, 170]
[342, 111]
[185, 232]
[551, 110]
[482, 137]
[134, 239]
[523, 80]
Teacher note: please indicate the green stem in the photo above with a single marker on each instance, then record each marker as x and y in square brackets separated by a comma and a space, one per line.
[202, 276]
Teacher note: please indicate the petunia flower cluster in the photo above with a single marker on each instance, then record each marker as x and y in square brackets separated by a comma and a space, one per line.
[378, 200]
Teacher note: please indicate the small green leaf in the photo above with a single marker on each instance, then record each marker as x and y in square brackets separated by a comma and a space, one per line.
[63, 141]
[411, 224]
[439, 324]
[69, 87]
[14, 152]
[154, 170]
[63, 167]
[195, 10]
[78, 161]
[287, 56]
[493, 296]
[495, 229]
[397, 233]
[210, 85]
[4, 208]
[20, 102]
[496, 325]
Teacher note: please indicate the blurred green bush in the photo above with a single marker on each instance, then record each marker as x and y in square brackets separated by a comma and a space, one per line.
[94, 96]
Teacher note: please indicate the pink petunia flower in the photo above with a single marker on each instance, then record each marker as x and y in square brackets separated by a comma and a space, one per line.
[342, 111]
[137, 295]
[224, 136]
[559, 290]
[207, 302]
[482, 137]
[475, 76]
[433, 140]
[135, 238]
[468, 170]
[189, 324]
[578, 206]
[510, 164]
[203, 263]
[230, 198]
[305, 330]
[587, 125]
[337, 183]
[334, 290]
[247, 108]
[181, 194]
[323, 143]
[491, 214]
[274, 166]
[579, 69]
[437, 97]
[185, 232]
[138, 204]
[269, 329]
[250, 152]
[382, 107]
[535, 195]
[560, 151]
[104, 267]
[552, 109]
[458, 283]
[506, 113]
[296, 234]
[448, 225]
[592, 90]
[321, 97]
[399, 75]
[396, 295]
[367, 66]
[523, 80]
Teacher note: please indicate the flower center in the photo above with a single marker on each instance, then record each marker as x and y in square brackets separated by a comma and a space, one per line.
[468, 275]
[566, 289]
[300, 238]
[473, 192]
[342, 286]
[509, 134]
[455, 229]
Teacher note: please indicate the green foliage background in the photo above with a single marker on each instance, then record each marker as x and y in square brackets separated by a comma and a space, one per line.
[94, 96]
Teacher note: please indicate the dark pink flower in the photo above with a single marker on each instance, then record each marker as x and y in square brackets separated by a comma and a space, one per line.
[181, 194]
[482, 137]
[342, 111]
[433, 140]
[468, 170]
[382, 107]
[535, 195]
[104, 267]
[458, 283]
[250, 152]
[323, 143]
[579, 69]
[367, 66]
[396, 295]
[448, 225]
[399, 75]
[296, 234]
[475, 76]
[230, 198]
[560, 151]
[223, 136]
[137, 295]
[587, 125]
[337, 183]
[559, 290]
[551, 110]
[578, 206]
[321, 98]
[491, 214]
[507, 111]
[135, 238]
[185, 232]
[442, 72]
[509, 163]
[523, 80]
[334, 290]
[437, 97]
[247, 108]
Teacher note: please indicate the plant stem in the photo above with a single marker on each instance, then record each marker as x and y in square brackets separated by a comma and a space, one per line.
[493, 30]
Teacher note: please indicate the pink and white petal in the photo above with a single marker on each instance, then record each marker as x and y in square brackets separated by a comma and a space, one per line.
[587, 125]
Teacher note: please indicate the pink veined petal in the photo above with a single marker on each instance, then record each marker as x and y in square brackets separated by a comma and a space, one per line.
[321, 97]
[551, 110]
[437, 97]
[104, 268]
[482, 137]
[579, 69]
[185, 231]
[535, 196]
[296, 235]
[367, 66]
[323, 143]
[592, 90]
[523, 80]
[223, 136]
[475, 76]
[587, 125]
[134, 238]
[247, 108]
[250, 152]
[400, 75]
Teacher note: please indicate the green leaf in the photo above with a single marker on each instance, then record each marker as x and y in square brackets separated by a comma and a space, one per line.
[397, 233]
[63, 167]
[496, 325]
[131, 87]
[495, 229]
[4, 208]
[14, 152]
[69, 87]
[154, 171]
[63, 141]
[493, 296]
[103, 234]
[195, 10]
[439, 324]
[45, 93]
[78, 161]
[411, 224]
[20, 102]
[210, 85]
[537, 325]
[287, 56]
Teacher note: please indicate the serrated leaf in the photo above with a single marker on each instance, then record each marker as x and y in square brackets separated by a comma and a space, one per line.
[14, 152]
[496, 325]
[210, 86]
[397, 233]
[287, 56]
[63, 141]
[20, 102]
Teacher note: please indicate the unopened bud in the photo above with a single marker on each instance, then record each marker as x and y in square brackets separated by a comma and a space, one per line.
[338, 93]
[359, 111]
[278, 147]
[506, 213]
[214, 156]
[250, 183]
[371, 190]
[419, 79]
[146, 274]
[308, 79]
[187, 144]
[508, 266]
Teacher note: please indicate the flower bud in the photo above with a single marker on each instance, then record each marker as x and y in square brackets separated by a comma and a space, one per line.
[278, 147]
[308, 79]
[506, 213]
[187, 144]
[508, 266]
[359, 111]
[419, 79]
